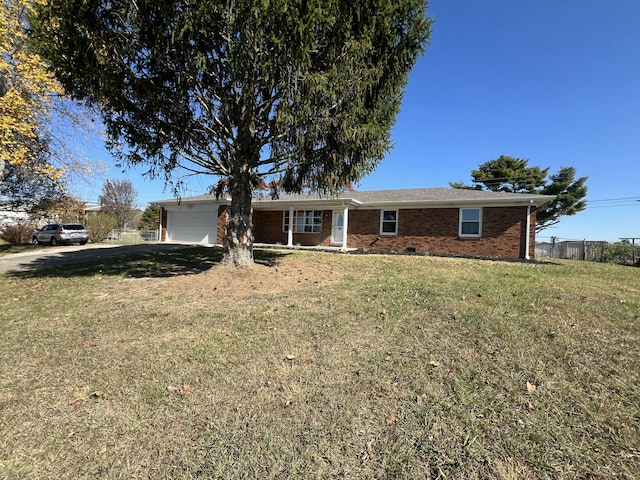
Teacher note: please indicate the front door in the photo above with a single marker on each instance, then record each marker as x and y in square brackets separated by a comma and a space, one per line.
[337, 227]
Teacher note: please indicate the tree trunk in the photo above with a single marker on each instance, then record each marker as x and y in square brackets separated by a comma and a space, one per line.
[238, 238]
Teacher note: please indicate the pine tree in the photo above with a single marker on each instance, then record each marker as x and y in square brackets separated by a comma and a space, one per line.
[298, 92]
[509, 174]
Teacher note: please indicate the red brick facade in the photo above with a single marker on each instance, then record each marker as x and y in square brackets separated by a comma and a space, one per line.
[425, 230]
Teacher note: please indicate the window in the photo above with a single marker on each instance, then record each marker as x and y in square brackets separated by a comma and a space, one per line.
[304, 221]
[470, 222]
[388, 222]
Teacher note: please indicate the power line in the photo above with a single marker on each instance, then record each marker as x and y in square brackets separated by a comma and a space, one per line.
[614, 206]
[637, 199]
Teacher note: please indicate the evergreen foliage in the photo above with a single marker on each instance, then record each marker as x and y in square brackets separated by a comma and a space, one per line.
[150, 218]
[302, 93]
[509, 174]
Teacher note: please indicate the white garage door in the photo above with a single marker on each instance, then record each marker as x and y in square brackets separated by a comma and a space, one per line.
[198, 227]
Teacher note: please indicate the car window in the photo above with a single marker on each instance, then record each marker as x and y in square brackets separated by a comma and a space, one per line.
[73, 226]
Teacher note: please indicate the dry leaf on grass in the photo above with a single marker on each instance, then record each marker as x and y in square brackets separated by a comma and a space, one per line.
[531, 387]
[180, 391]
[392, 420]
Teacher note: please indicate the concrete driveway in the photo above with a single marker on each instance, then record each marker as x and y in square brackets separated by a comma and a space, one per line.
[63, 255]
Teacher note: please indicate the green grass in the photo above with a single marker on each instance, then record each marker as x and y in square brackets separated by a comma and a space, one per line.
[317, 365]
[9, 248]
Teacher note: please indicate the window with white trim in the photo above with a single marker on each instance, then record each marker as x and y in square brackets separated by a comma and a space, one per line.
[304, 221]
[470, 222]
[388, 222]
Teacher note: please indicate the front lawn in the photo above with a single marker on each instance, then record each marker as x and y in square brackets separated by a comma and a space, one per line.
[9, 248]
[316, 365]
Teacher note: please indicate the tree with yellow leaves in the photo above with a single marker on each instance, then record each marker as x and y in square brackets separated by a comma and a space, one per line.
[36, 118]
[26, 93]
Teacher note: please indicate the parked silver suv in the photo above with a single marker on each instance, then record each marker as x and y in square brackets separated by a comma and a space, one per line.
[60, 233]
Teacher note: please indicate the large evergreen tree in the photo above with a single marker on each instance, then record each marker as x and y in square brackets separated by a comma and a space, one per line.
[509, 174]
[303, 92]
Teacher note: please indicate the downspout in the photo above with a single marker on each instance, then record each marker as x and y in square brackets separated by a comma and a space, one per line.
[345, 227]
[290, 230]
[527, 241]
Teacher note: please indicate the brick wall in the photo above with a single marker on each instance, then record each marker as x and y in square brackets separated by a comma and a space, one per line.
[435, 230]
[267, 228]
[429, 230]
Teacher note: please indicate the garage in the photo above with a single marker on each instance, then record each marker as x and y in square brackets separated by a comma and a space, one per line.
[197, 227]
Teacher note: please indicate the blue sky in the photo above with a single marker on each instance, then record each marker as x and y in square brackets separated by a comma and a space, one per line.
[553, 81]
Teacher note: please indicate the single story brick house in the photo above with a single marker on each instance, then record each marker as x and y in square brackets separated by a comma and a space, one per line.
[442, 221]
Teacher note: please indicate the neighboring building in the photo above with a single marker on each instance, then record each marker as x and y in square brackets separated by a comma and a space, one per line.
[92, 210]
[12, 216]
[441, 221]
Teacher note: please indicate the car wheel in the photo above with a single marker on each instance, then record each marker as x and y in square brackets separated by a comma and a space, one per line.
[35, 241]
[54, 241]
[83, 243]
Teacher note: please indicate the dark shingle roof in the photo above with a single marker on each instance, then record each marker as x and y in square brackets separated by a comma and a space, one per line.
[420, 195]
[415, 196]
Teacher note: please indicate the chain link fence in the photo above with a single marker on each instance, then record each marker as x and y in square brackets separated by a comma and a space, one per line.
[133, 237]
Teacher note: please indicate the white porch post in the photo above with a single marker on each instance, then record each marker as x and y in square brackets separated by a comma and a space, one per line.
[290, 230]
[345, 227]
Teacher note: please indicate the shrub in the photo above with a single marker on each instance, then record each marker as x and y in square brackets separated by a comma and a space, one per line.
[17, 232]
[619, 252]
[100, 226]
[150, 218]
